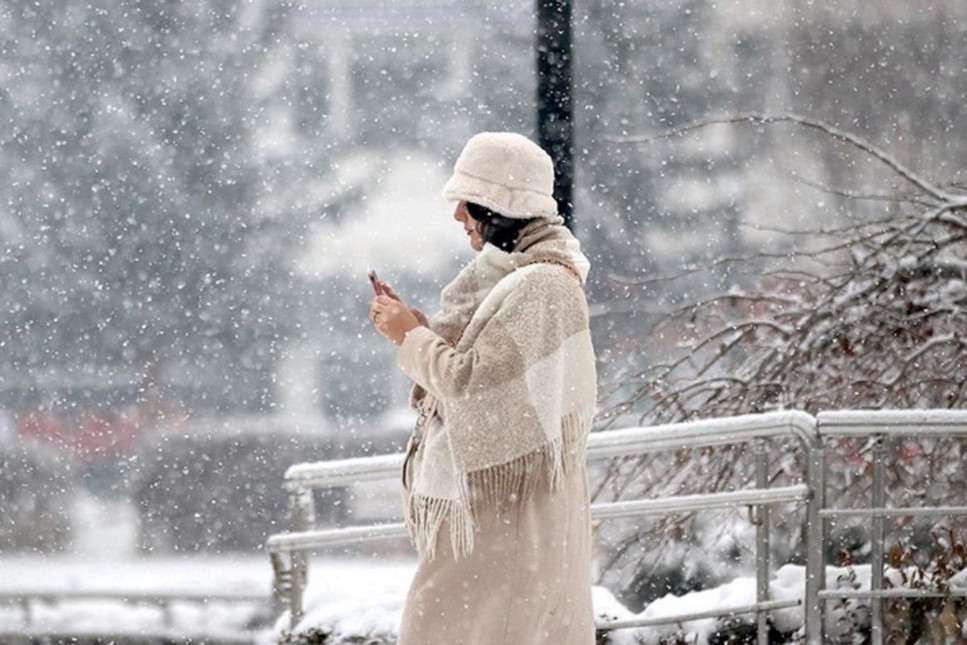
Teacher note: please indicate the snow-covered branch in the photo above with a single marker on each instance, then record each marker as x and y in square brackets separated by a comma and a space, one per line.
[869, 315]
[836, 133]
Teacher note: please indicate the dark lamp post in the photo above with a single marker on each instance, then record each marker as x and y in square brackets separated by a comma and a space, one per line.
[555, 123]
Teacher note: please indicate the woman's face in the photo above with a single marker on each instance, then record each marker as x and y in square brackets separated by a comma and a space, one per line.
[469, 225]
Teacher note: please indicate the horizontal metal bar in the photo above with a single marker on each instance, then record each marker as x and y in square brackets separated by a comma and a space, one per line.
[628, 623]
[136, 635]
[836, 594]
[893, 512]
[307, 540]
[703, 433]
[344, 471]
[910, 432]
[688, 503]
[609, 443]
[908, 423]
[133, 596]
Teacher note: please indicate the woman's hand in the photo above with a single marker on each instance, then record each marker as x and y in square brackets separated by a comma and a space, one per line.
[420, 316]
[391, 292]
[392, 318]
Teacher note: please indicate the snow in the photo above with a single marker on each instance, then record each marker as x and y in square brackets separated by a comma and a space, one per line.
[347, 602]
[354, 597]
[149, 156]
[896, 422]
[348, 597]
[104, 560]
[116, 528]
[356, 594]
[142, 574]
[403, 203]
[71, 574]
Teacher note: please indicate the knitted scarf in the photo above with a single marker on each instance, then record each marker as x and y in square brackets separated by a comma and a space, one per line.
[505, 380]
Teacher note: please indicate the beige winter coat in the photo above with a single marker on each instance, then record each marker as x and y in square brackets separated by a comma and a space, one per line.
[527, 581]
[495, 483]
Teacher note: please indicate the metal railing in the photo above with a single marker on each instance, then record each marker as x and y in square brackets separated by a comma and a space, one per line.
[289, 551]
[882, 426]
[27, 600]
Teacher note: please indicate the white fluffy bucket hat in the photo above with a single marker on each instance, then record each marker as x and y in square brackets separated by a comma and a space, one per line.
[506, 172]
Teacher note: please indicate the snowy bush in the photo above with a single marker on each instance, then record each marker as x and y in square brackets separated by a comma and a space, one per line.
[868, 314]
[35, 484]
[217, 485]
[863, 314]
[940, 567]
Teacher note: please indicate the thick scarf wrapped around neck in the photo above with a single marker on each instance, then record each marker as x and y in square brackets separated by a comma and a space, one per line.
[505, 374]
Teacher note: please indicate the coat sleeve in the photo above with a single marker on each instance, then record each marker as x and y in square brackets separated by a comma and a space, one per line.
[430, 361]
[447, 373]
[500, 351]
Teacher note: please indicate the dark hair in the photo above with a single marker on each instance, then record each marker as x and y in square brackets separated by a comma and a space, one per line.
[496, 229]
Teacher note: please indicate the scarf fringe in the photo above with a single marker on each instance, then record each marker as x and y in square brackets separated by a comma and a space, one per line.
[496, 489]
[425, 516]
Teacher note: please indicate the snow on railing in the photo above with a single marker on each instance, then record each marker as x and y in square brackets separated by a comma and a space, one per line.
[881, 425]
[288, 551]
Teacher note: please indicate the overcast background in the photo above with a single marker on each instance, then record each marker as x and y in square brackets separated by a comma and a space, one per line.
[191, 193]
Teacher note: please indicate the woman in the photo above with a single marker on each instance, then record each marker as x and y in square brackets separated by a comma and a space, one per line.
[495, 484]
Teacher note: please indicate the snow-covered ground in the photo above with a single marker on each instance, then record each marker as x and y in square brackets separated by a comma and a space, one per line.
[141, 576]
[345, 604]
[348, 597]
[365, 591]
[104, 560]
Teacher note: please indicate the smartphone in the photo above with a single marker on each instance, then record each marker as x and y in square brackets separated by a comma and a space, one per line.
[373, 280]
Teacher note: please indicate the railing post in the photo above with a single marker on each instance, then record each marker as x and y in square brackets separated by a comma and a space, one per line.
[281, 583]
[762, 543]
[28, 614]
[876, 541]
[168, 617]
[301, 518]
[814, 608]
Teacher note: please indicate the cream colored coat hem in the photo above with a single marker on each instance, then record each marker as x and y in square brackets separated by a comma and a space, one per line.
[527, 581]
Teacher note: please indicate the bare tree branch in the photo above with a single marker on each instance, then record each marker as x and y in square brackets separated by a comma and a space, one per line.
[859, 196]
[871, 318]
[861, 144]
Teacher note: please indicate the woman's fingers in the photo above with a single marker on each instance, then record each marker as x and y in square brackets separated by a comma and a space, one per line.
[391, 318]
[383, 307]
[385, 303]
[377, 306]
[389, 291]
[394, 320]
